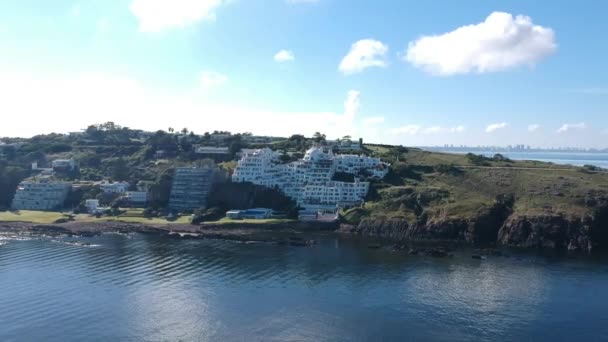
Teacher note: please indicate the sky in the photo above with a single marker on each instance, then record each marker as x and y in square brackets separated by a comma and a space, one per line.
[475, 72]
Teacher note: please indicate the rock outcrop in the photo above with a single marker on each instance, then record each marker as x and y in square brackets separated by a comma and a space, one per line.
[543, 231]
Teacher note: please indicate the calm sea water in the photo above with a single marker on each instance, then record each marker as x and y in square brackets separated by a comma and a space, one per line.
[147, 288]
[566, 158]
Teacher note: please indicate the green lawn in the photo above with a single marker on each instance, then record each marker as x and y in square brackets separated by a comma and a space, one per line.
[227, 221]
[42, 217]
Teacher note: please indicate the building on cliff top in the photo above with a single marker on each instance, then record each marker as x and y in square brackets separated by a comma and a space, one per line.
[309, 181]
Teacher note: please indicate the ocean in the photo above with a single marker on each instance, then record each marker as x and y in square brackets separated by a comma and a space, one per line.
[565, 158]
[151, 288]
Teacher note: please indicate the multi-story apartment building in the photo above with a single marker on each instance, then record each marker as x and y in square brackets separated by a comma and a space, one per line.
[41, 193]
[137, 198]
[309, 181]
[191, 187]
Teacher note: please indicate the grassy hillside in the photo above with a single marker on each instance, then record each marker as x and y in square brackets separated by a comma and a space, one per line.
[452, 186]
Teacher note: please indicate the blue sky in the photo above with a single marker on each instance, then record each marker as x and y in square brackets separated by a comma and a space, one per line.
[406, 72]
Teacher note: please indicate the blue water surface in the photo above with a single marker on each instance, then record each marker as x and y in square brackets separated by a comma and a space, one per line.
[150, 288]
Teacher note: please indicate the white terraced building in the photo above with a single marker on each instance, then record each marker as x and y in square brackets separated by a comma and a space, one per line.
[42, 193]
[309, 180]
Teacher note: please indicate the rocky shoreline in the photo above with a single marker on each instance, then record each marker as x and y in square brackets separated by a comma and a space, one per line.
[542, 232]
[557, 232]
[279, 233]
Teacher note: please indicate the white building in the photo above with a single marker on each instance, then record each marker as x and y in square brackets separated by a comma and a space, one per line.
[137, 198]
[309, 181]
[63, 164]
[42, 193]
[114, 187]
[92, 205]
[212, 150]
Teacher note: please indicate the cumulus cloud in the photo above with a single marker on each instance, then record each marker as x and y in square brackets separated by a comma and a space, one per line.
[571, 127]
[365, 53]
[533, 127]
[495, 127]
[212, 79]
[160, 15]
[501, 42]
[284, 56]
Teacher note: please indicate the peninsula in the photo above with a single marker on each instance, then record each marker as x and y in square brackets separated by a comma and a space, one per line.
[222, 184]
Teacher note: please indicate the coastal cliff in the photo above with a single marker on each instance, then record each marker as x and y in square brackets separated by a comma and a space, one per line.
[585, 233]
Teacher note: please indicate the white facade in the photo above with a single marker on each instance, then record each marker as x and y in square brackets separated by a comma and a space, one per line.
[40, 194]
[212, 150]
[63, 164]
[309, 181]
[92, 205]
[137, 197]
[114, 188]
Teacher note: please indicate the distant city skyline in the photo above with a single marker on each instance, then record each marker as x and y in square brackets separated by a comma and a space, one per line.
[413, 73]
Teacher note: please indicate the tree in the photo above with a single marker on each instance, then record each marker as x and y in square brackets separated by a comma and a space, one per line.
[120, 170]
[318, 137]
[171, 130]
[184, 131]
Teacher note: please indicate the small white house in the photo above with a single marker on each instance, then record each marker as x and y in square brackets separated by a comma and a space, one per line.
[253, 214]
[63, 164]
[92, 205]
[114, 187]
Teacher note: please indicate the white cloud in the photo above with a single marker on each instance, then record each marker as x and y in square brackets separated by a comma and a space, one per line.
[407, 129]
[131, 103]
[500, 42]
[212, 79]
[365, 53]
[160, 15]
[284, 56]
[533, 127]
[571, 127]
[352, 103]
[374, 120]
[439, 129]
[494, 127]
[417, 129]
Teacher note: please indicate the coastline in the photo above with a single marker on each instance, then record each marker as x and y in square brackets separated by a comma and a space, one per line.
[254, 232]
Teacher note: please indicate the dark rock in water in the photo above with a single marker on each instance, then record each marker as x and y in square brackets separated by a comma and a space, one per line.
[398, 247]
[413, 251]
[478, 257]
[297, 242]
[374, 245]
[438, 253]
